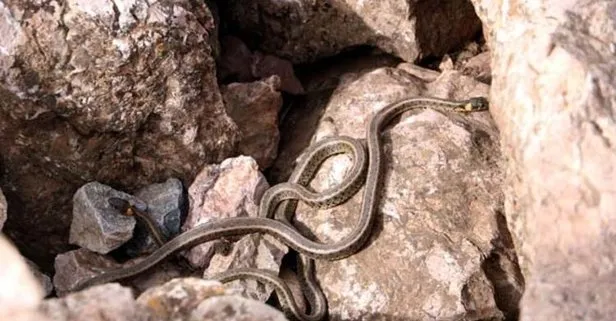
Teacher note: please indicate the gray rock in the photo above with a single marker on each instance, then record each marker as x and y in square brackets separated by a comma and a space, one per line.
[167, 205]
[96, 225]
[553, 93]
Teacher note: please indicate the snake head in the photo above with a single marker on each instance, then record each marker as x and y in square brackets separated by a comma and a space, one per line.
[478, 103]
[121, 205]
[474, 104]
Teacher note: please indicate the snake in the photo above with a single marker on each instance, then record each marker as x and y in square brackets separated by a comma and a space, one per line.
[347, 246]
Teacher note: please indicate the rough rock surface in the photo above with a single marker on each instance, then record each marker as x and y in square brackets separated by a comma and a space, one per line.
[122, 93]
[554, 101]
[254, 107]
[440, 211]
[76, 265]
[96, 225]
[235, 308]
[238, 64]
[198, 299]
[20, 293]
[98, 303]
[231, 188]
[3, 207]
[305, 30]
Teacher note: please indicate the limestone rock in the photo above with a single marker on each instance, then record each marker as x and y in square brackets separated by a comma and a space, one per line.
[553, 99]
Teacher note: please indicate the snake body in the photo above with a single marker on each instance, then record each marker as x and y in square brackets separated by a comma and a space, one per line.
[283, 231]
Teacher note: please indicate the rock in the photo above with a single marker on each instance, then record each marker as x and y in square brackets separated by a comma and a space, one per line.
[254, 107]
[76, 265]
[3, 207]
[439, 217]
[232, 188]
[264, 65]
[303, 31]
[553, 101]
[478, 67]
[167, 204]
[176, 299]
[252, 251]
[43, 279]
[234, 64]
[97, 225]
[234, 308]
[198, 299]
[20, 292]
[103, 302]
[123, 94]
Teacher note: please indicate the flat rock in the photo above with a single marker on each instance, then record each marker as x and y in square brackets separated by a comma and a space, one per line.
[440, 213]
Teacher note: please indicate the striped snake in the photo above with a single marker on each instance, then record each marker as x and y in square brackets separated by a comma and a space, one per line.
[281, 229]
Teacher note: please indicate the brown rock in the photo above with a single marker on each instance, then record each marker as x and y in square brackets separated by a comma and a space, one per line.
[254, 107]
[178, 298]
[234, 308]
[439, 210]
[74, 266]
[553, 101]
[230, 189]
[304, 31]
[98, 303]
[264, 66]
[94, 91]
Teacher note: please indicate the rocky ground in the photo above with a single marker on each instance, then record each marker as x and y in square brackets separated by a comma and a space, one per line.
[195, 108]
